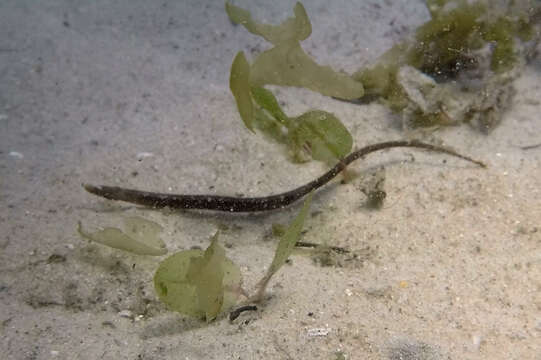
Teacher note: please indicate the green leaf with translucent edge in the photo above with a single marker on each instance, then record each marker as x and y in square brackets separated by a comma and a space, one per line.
[287, 64]
[269, 126]
[296, 28]
[289, 238]
[321, 135]
[139, 237]
[197, 283]
[266, 100]
[239, 83]
[285, 247]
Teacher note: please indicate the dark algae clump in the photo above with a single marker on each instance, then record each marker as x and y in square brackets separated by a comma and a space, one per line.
[459, 66]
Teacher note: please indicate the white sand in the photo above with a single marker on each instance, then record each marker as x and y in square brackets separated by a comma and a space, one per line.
[449, 268]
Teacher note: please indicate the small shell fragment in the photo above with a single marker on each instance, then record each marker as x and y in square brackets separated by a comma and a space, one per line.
[140, 156]
[126, 314]
[16, 154]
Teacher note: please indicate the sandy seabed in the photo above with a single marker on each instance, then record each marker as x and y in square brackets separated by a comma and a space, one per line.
[135, 93]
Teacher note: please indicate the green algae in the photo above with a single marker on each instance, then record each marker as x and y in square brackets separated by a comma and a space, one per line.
[469, 49]
[197, 283]
[239, 83]
[321, 136]
[315, 134]
[140, 237]
[287, 64]
[285, 247]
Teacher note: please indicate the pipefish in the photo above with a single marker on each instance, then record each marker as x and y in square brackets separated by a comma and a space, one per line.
[254, 204]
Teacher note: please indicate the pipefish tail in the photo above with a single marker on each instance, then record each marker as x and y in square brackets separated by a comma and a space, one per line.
[255, 204]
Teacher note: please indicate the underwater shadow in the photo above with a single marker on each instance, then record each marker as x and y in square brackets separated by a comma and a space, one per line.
[170, 326]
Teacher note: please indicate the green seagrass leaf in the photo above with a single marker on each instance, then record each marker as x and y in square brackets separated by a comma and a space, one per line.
[321, 135]
[289, 238]
[197, 283]
[287, 64]
[266, 100]
[297, 28]
[140, 237]
[239, 83]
